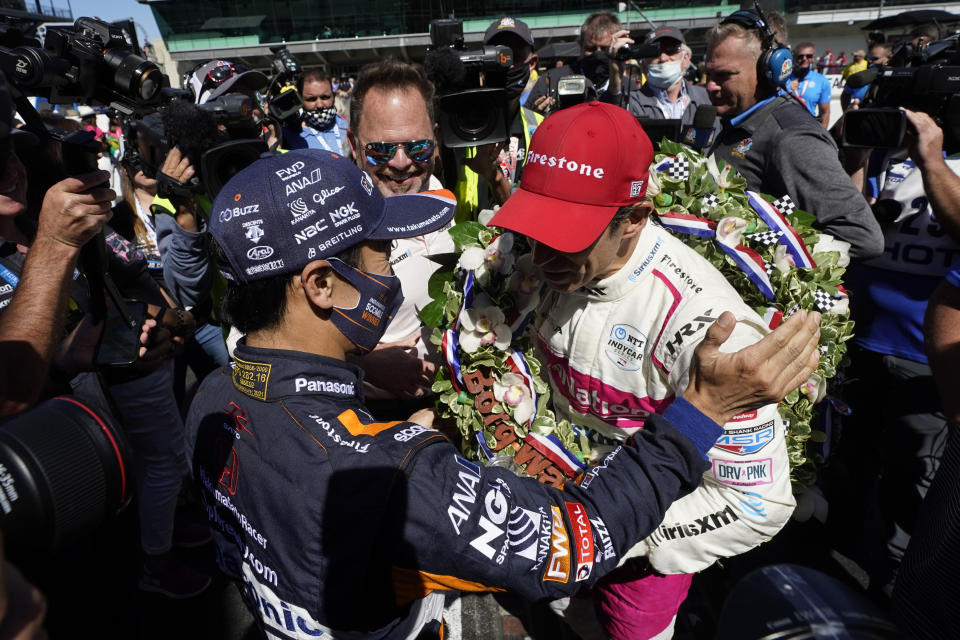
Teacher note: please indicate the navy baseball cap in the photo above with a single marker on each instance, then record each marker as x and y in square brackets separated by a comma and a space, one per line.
[286, 210]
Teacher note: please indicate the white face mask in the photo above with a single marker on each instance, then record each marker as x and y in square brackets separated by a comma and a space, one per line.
[664, 76]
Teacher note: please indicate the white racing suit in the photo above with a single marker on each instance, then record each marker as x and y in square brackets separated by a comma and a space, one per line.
[621, 349]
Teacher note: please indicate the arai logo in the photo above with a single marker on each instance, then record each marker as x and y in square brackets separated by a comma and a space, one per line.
[260, 253]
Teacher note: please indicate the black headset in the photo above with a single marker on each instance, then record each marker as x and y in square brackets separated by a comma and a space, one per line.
[776, 62]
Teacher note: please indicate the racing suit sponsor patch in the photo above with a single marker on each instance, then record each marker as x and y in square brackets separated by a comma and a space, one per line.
[464, 494]
[558, 567]
[625, 347]
[743, 473]
[251, 378]
[706, 524]
[582, 539]
[746, 441]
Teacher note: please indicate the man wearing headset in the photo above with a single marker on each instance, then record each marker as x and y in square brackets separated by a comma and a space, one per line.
[772, 140]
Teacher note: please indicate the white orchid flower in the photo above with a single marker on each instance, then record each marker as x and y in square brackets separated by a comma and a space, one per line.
[815, 388]
[525, 283]
[512, 390]
[730, 230]
[840, 305]
[828, 243]
[495, 258]
[783, 260]
[486, 215]
[483, 326]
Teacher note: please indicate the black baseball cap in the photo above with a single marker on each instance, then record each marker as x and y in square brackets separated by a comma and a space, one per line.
[665, 32]
[508, 25]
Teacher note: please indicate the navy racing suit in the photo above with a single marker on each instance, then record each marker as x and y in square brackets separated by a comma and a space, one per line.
[333, 524]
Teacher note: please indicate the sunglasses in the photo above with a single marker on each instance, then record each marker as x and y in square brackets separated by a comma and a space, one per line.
[801, 56]
[874, 58]
[379, 153]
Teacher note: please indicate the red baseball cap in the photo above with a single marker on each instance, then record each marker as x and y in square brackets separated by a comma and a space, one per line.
[583, 164]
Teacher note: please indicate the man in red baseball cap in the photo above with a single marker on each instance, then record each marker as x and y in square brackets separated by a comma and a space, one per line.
[627, 305]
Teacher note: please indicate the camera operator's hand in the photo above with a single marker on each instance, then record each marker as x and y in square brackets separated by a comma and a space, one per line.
[544, 104]
[177, 167]
[487, 165]
[74, 210]
[924, 138]
[619, 39]
[725, 384]
[22, 606]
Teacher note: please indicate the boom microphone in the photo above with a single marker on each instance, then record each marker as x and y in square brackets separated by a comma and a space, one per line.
[700, 134]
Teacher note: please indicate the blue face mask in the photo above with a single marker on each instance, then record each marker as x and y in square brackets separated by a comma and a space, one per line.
[380, 297]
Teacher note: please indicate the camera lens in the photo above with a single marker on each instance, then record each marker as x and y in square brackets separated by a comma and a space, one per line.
[63, 473]
[133, 75]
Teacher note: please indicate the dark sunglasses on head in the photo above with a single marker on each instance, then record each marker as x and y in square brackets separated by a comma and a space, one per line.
[382, 152]
[801, 56]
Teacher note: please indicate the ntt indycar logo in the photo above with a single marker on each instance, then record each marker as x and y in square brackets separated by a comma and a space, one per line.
[564, 163]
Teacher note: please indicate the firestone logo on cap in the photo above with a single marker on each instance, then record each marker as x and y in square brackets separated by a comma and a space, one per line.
[581, 168]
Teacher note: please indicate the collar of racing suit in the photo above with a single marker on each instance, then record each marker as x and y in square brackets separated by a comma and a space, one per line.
[641, 263]
[272, 374]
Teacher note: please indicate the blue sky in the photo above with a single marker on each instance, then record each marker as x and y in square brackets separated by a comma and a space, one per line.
[114, 10]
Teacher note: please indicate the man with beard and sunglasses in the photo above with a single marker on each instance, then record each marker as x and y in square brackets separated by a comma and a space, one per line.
[393, 137]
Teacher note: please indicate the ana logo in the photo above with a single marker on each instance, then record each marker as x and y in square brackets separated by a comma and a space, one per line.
[743, 442]
[260, 253]
[254, 233]
[636, 188]
[366, 183]
[742, 147]
[305, 181]
[624, 348]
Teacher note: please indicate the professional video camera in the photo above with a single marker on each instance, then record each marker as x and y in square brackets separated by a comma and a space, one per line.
[469, 113]
[920, 79]
[640, 49]
[64, 471]
[92, 63]
[284, 99]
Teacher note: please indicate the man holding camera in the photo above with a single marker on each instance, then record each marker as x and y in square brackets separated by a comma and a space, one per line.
[501, 164]
[772, 140]
[666, 94]
[330, 521]
[916, 195]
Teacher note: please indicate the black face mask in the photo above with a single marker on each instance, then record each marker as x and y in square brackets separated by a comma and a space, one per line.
[596, 67]
[516, 80]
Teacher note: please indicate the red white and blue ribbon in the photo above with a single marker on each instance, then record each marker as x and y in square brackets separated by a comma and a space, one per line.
[772, 317]
[789, 238]
[752, 265]
[519, 365]
[467, 298]
[688, 224]
[552, 449]
[483, 445]
[450, 345]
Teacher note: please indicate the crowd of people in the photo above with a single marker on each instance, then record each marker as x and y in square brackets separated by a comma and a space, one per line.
[278, 393]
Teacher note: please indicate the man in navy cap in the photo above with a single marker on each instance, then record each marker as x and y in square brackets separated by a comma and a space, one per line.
[331, 522]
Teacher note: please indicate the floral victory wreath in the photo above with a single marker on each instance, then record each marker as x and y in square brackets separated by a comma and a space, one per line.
[481, 315]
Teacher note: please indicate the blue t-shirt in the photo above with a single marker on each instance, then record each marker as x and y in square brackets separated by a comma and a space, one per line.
[814, 89]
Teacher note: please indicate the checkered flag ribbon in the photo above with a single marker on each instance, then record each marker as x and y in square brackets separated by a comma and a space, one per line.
[710, 201]
[769, 267]
[823, 300]
[792, 310]
[785, 205]
[765, 237]
[679, 168]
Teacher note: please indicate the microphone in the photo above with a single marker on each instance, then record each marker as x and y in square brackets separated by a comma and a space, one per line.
[700, 134]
